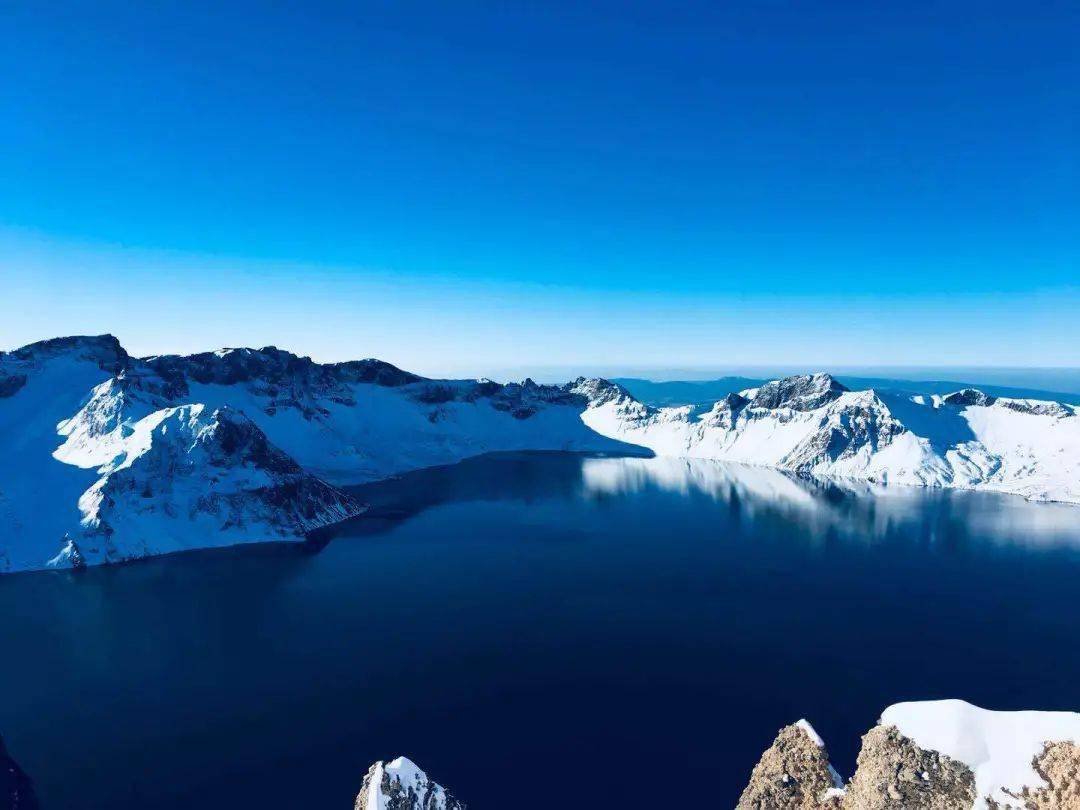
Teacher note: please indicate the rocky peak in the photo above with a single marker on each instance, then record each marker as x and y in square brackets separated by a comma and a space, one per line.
[804, 392]
[598, 391]
[105, 350]
[793, 774]
[1037, 407]
[286, 379]
[968, 396]
[401, 785]
[933, 755]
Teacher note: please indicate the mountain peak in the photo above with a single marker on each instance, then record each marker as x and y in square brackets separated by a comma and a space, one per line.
[103, 349]
[401, 785]
[802, 392]
[968, 396]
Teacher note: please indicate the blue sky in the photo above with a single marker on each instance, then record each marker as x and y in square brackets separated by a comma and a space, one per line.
[458, 187]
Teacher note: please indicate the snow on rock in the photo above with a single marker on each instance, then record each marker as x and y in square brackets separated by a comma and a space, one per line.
[810, 732]
[793, 773]
[812, 425]
[351, 423]
[85, 420]
[186, 479]
[401, 785]
[106, 473]
[1000, 748]
[121, 457]
[929, 755]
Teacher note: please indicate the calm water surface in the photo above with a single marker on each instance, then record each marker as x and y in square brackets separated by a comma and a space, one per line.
[525, 624]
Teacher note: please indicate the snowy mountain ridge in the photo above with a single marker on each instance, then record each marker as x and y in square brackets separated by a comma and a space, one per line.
[812, 425]
[120, 457]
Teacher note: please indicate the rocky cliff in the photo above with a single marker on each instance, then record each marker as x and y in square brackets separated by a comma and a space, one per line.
[937, 755]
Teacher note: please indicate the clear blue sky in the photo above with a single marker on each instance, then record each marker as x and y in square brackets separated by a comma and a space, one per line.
[463, 186]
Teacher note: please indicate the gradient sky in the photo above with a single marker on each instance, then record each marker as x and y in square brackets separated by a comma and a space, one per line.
[457, 187]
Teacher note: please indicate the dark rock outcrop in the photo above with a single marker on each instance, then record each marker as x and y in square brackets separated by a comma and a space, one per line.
[804, 392]
[968, 396]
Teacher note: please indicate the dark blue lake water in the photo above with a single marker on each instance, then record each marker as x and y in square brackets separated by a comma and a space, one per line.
[528, 625]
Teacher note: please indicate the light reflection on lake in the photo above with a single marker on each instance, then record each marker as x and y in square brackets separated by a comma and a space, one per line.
[511, 617]
[818, 507]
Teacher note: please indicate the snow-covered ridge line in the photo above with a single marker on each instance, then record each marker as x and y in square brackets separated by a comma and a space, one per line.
[813, 425]
[122, 457]
[931, 754]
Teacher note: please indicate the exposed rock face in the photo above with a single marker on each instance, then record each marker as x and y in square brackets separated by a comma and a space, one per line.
[805, 392]
[984, 763]
[216, 470]
[968, 396]
[893, 772]
[793, 774]
[401, 785]
[1059, 767]
[16, 791]
[105, 350]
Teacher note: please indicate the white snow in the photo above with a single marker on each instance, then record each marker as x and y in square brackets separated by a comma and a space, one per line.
[405, 772]
[886, 438]
[75, 429]
[999, 747]
[813, 735]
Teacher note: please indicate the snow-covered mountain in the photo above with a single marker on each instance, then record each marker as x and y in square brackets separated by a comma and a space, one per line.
[113, 457]
[812, 425]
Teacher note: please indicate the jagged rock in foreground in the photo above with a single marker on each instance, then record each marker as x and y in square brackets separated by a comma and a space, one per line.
[933, 755]
[794, 773]
[16, 791]
[400, 785]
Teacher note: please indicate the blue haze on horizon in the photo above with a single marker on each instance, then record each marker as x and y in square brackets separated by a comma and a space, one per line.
[462, 188]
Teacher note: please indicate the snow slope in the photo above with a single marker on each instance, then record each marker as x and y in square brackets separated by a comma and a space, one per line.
[117, 458]
[811, 425]
[111, 476]
[999, 747]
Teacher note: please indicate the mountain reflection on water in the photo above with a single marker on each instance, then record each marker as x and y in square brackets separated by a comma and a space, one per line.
[820, 507]
[817, 509]
[499, 618]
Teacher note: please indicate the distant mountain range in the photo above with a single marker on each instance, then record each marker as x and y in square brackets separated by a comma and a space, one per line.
[706, 392]
[113, 457]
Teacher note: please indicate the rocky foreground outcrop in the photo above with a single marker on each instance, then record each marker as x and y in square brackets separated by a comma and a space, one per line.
[401, 785]
[935, 755]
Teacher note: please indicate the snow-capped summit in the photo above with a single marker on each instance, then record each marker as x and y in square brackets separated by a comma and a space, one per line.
[800, 393]
[105, 350]
[401, 785]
